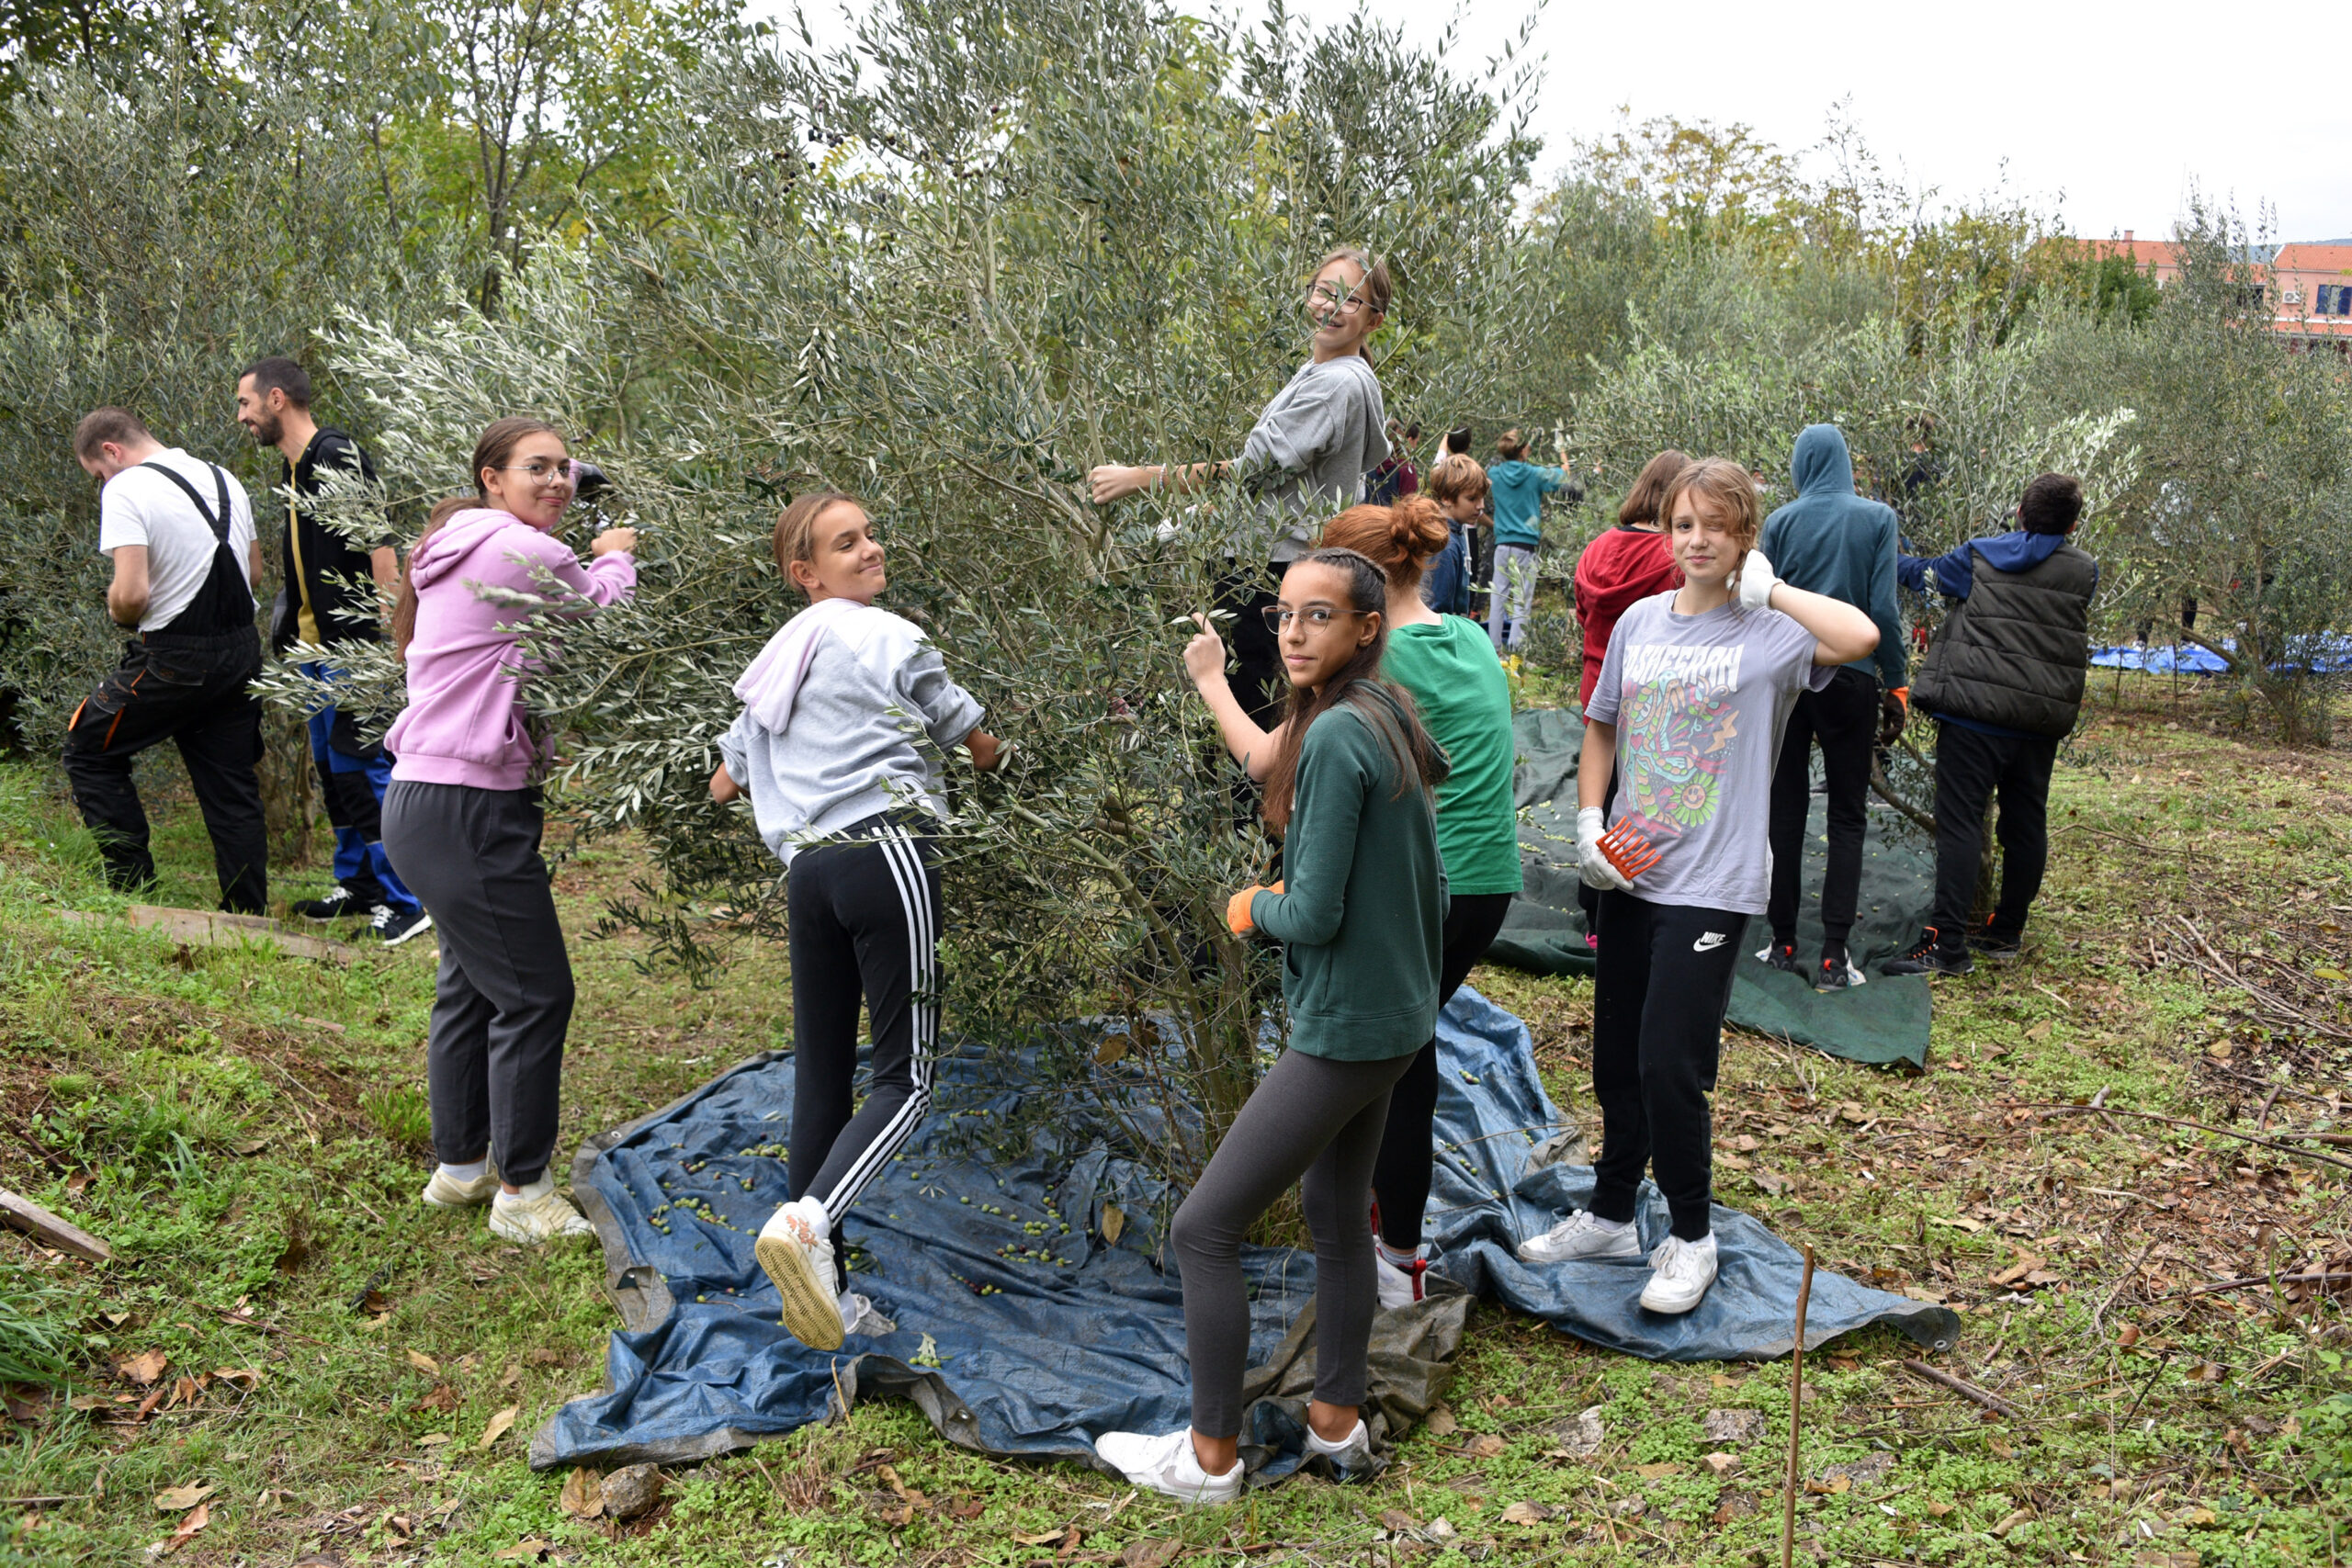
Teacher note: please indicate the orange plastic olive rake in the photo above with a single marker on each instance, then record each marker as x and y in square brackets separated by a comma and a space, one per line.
[1629, 851]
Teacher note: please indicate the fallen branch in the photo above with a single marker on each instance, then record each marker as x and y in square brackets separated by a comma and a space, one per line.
[2246, 1281]
[1796, 1414]
[2179, 1121]
[238, 1320]
[24, 1215]
[2098, 1313]
[1963, 1388]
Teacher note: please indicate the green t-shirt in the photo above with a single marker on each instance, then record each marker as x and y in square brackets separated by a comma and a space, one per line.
[1458, 686]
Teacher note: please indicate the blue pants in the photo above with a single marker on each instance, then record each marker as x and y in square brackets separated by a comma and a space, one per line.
[352, 778]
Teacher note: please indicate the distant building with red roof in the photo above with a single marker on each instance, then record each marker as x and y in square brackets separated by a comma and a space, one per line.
[2307, 287]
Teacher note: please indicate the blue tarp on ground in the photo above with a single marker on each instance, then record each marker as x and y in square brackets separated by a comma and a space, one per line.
[2328, 654]
[1019, 1336]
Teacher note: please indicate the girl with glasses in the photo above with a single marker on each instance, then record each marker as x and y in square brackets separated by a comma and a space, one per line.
[463, 822]
[1361, 915]
[1446, 664]
[1306, 456]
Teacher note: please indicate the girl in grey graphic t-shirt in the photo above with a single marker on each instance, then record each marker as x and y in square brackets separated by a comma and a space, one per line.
[1692, 696]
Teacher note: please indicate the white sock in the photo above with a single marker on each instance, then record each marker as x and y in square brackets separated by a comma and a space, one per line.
[1398, 1256]
[848, 1304]
[464, 1173]
[1317, 1442]
[1612, 1226]
[539, 1189]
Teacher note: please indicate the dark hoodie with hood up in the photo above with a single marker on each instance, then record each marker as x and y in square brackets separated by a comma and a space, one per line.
[1832, 542]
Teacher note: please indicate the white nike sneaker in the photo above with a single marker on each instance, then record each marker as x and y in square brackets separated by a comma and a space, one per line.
[1351, 1457]
[535, 1214]
[1168, 1465]
[445, 1191]
[1681, 1272]
[1399, 1284]
[1582, 1235]
[796, 1248]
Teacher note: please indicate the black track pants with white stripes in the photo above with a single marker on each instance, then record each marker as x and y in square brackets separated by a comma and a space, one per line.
[865, 913]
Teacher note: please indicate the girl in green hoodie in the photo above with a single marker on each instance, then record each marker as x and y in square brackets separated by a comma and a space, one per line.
[1362, 918]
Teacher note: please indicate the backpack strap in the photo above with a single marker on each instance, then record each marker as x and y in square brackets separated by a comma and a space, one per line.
[218, 525]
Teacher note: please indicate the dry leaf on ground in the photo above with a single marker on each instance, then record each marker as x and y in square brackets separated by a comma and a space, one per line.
[530, 1548]
[172, 1499]
[1442, 1423]
[498, 1425]
[1526, 1514]
[197, 1518]
[580, 1497]
[425, 1363]
[1149, 1553]
[144, 1368]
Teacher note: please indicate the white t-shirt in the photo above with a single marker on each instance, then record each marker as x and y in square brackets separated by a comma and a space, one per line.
[140, 506]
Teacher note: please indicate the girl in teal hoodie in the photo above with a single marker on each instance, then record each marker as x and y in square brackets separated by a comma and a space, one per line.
[1518, 489]
[1361, 922]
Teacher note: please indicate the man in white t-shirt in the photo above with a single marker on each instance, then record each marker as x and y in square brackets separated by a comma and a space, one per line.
[180, 531]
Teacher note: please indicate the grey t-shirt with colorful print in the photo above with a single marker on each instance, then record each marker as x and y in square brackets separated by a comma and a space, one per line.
[1700, 702]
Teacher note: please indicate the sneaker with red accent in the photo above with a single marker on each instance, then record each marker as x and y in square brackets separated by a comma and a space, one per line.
[1400, 1281]
[1782, 955]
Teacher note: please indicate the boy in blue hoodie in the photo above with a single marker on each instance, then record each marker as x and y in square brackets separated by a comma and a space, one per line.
[1832, 542]
[1518, 488]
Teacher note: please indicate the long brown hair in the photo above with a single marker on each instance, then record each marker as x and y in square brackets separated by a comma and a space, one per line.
[497, 445]
[796, 530]
[1384, 708]
[1400, 538]
[1642, 503]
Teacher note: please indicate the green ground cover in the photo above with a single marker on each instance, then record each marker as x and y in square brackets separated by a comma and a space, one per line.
[349, 1378]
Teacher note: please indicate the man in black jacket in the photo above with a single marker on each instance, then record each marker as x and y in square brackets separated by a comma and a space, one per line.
[330, 600]
[2004, 679]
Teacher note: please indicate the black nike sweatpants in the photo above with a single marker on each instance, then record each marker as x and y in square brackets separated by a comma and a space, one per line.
[1659, 993]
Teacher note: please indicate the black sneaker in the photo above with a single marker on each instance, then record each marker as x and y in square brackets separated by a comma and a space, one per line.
[1930, 957]
[339, 903]
[1994, 947]
[393, 927]
[1782, 955]
[1836, 972]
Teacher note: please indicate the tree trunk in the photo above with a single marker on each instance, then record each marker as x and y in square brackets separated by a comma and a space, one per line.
[288, 800]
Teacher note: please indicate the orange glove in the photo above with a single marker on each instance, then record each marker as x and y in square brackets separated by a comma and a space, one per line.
[1237, 909]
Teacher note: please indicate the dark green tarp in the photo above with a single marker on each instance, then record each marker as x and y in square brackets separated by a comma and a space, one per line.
[1883, 1021]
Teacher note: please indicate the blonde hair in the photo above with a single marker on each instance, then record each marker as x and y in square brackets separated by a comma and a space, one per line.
[1729, 486]
[1378, 287]
[796, 530]
[1459, 478]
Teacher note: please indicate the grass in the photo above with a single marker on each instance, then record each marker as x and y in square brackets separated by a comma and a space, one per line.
[246, 1131]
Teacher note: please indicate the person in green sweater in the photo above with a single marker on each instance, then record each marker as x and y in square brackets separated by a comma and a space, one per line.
[1445, 664]
[1361, 922]
[1519, 488]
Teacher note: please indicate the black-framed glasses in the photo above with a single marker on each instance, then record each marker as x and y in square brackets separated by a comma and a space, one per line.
[541, 471]
[1317, 618]
[1325, 296]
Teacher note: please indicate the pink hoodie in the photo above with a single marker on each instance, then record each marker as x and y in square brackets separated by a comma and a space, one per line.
[465, 722]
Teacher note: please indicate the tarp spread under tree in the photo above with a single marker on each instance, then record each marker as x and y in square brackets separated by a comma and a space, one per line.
[1036, 1306]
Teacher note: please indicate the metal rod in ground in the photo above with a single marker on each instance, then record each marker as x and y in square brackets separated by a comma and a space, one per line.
[1796, 1418]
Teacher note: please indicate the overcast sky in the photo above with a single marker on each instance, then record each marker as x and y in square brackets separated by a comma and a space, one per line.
[2107, 114]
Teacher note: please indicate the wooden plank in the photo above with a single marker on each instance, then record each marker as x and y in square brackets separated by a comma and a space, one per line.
[24, 1215]
[212, 928]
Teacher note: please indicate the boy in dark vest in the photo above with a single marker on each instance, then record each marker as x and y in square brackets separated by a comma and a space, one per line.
[2004, 679]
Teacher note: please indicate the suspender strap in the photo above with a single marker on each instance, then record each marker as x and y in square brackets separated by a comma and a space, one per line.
[220, 525]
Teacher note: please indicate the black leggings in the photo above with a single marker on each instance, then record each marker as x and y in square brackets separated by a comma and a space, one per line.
[1843, 718]
[1309, 1118]
[1658, 993]
[865, 913]
[1400, 1176]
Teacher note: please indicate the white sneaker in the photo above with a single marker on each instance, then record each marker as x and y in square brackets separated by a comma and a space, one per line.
[1399, 1284]
[860, 1316]
[535, 1214]
[1167, 1464]
[445, 1191]
[1583, 1234]
[1681, 1272]
[796, 1248]
[1351, 1457]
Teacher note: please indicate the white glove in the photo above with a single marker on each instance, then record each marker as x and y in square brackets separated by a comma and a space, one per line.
[1756, 579]
[1591, 864]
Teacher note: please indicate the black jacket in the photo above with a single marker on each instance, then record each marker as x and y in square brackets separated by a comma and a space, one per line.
[323, 564]
[2016, 651]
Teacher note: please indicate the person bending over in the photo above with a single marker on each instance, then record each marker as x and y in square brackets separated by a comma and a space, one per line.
[1692, 699]
[1830, 540]
[1362, 915]
[2004, 681]
[1445, 665]
[846, 712]
[462, 820]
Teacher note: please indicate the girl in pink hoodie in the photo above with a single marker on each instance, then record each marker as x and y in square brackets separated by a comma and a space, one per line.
[462, 818]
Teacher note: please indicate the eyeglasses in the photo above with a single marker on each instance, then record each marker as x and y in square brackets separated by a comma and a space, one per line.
[542, 472]
[1324, 295]
[1317, 618]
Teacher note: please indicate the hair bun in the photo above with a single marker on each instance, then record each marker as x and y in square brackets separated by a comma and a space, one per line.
[1416, 527]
